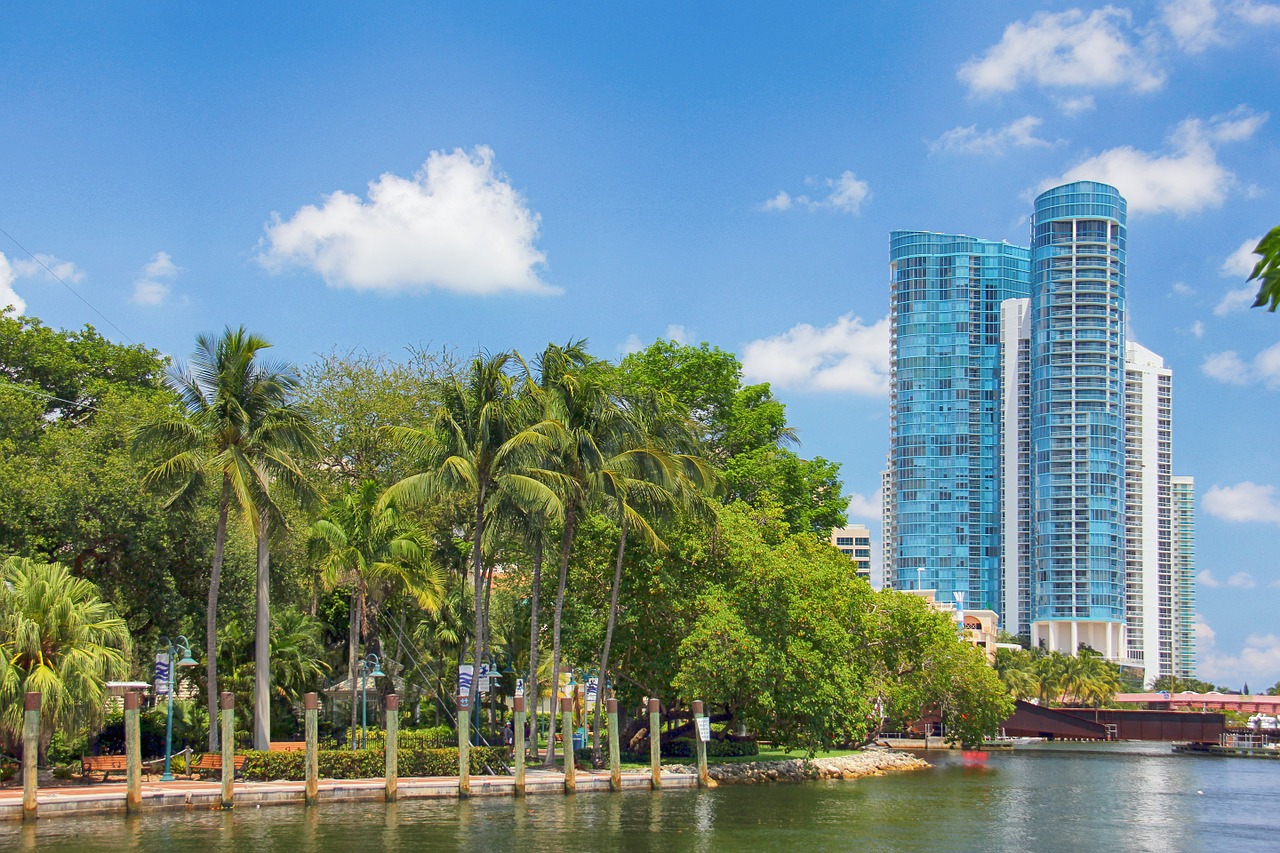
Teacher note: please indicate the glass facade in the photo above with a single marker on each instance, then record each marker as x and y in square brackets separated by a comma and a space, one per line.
[1184, 576]
[945, 295]
[1077, 404]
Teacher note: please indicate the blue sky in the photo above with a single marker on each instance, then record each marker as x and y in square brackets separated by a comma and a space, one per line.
[501, 176]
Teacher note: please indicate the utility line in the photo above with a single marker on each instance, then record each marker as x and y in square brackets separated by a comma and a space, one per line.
[77, 293]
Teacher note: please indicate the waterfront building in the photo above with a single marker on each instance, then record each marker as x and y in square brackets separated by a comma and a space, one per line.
[945, 294]
[1183, 536]
[1030, 461]
[881, 578]
[854, 541]
[1148, 512]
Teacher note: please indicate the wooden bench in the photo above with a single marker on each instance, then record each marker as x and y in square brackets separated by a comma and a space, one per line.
[287, 746]
[212, 761]
[103, 764]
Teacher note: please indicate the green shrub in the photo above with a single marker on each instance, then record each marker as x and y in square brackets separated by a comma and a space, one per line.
[368, 763]
[684, 748]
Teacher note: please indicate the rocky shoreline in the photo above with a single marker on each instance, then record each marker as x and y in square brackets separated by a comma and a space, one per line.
[874, 762]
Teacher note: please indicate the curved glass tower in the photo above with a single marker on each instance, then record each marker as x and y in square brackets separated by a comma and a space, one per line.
[1078, 418]
[945, 295]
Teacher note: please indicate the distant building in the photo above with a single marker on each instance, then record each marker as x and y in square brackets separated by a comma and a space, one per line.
[883, 578]
[1183, 536]
[979, 627]
[854, 541]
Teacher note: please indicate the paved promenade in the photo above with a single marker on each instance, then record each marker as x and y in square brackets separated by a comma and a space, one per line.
[109, 797]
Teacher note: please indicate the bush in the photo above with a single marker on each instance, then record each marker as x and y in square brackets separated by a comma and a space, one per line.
[684, 748]
[437, 737]
[367, 763]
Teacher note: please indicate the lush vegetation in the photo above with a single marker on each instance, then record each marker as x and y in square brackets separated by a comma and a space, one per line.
[1086, 679]
[558, 518]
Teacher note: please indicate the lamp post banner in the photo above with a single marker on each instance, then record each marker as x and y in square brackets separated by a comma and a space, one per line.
[464, 679]
[519, 688]
[593, 690]
[483, 686]
[162, 673]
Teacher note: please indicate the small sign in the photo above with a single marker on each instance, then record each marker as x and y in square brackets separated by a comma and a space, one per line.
[464, 701]
[519, 688]
[593, 690]
[704, 729]
[464, 679]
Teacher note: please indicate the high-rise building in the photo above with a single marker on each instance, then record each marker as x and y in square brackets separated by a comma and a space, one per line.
[1184, 576]
[945, 295]
[1148, 506]
[881, 577]
[1077, 418]
[854, 541]
[1030, 461]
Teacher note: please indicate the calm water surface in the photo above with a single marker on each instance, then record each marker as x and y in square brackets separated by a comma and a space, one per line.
[1071, 797]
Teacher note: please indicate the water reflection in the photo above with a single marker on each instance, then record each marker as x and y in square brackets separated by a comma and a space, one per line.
[1057, 798]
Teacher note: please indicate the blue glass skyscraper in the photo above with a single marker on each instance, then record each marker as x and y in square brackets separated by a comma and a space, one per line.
[945, 295]
[1077, 417]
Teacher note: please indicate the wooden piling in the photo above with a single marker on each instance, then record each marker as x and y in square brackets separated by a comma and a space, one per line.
[30, 753]
[700, 745]
[517, 754]
[228, 750]
[655, 744]
[615, 754]
[311, 711]
[393, 746]
[464, 746]
[570, 759]
[132, 752]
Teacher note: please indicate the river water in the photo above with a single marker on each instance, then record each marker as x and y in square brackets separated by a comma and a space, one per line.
[1055, 797]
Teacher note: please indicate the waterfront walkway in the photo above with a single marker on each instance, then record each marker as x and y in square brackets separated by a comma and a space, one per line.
[109, 797]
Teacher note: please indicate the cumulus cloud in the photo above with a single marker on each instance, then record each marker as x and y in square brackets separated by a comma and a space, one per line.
[1019, 133]
[844, 356]
[1075, 105]
[1236, 299]
[1230, 369]
[844, 194]
[679, 334]
[1240, 263]
[1186, 179]
[456, 225]
[1243, 502]
[1239, 580]
[1193, 24]
[48, 267]
[1258, 660]
[1181, 288]
[1258, 14]
[153, 287]
[865, 506]
[1197, 329]
[1070, 49]
[8, 296]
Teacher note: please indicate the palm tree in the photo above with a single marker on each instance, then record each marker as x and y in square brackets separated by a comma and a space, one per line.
[241, 430]
[482, 443]
[360, 542]
[57, 638]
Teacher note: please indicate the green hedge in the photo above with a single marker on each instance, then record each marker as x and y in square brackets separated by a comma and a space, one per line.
[683, 748]
[439, 737]
[367, 763]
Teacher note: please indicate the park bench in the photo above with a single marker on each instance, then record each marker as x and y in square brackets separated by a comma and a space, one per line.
[287, 746]
[209, 762]
[103, 764]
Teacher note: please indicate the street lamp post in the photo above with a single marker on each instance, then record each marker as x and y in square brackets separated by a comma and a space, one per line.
[183, 644]
[369, 668]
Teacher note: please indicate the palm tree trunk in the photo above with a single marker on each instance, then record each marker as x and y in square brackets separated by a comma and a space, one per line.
[566, 544]
[353, 645]
[262, 641]
[608, 634]
[478, 603]
[211, 615]
[531, 685]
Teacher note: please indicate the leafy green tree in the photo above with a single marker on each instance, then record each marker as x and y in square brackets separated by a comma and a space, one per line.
[57, 638]
[363, 541]
[239, 429]
[482, 443]
[1267, 271]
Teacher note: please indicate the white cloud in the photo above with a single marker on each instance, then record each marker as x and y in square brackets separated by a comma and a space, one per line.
[1240, 263]
[1181, 288]
[1193, 24]
[1239, 580]
[153, 287]
[844, 194]
[679, 334]
[1076, 105]
[1257, 661]
[8, 296]
[865, 506]
[1229, 368]
[631, 344]
[1243, 502]
[844, 356]
[1197, 329]
[457, 225]
[1068, 49]
[1236, 299]
[1185, 180]
[48, 267]
[1259, 14]
[1019, 133]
